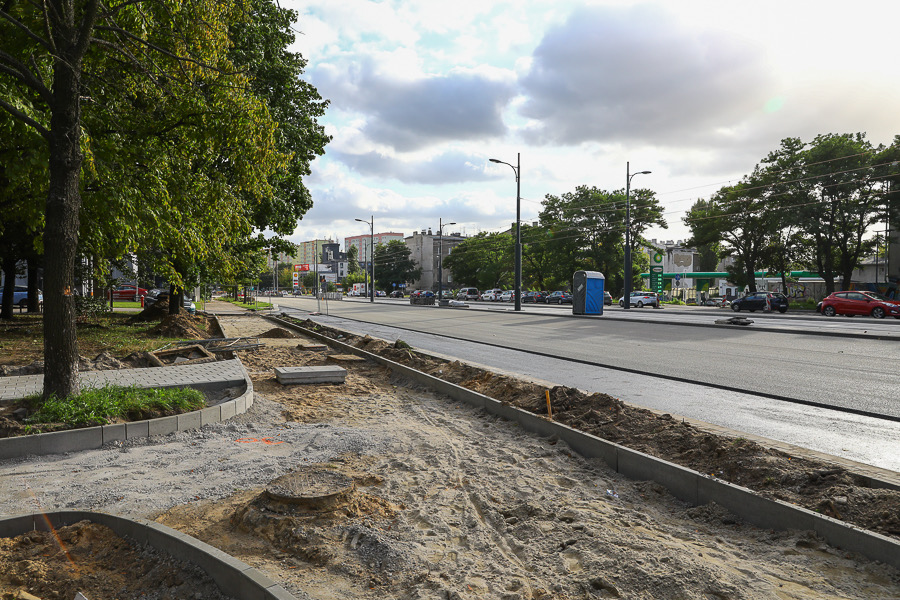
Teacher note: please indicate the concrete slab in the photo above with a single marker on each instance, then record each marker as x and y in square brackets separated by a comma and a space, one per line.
[312, 347]
[164, 425]
[344, 358]
[137, 429]
[68, 441]
[114, 433]
[299, 375]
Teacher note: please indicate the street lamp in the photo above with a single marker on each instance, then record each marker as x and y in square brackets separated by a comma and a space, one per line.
[517, 170]
[441, 226]
[628, 175]
[372, 254]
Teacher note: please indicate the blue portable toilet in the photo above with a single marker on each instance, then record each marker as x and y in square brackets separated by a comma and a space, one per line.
[587, 293]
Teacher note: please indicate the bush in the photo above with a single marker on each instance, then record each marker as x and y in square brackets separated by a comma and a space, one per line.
[91, 307]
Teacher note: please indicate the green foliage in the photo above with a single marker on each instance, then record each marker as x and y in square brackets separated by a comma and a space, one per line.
[101, 405]
[806, 205]
[91, 307]
[394, 265]
[485, 261]
[587, 230]
[353, 260]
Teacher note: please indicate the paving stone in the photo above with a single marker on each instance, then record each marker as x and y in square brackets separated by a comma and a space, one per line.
[323, 374]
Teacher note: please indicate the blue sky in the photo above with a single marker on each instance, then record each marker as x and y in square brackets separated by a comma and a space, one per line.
[423, 93]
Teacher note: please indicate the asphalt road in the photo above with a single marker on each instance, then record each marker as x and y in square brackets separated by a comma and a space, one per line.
[759, 366]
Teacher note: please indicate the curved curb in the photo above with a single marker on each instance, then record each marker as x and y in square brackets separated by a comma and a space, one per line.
[683, 483]
[233, 577]
[89, 438]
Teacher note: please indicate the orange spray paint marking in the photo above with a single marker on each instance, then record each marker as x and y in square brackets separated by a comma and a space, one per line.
[266, 440]
[52, 529]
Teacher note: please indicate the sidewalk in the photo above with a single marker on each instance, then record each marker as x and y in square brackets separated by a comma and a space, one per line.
[223, 373]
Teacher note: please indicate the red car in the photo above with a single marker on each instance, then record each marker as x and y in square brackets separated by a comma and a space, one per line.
[860, 303]
[127, 292]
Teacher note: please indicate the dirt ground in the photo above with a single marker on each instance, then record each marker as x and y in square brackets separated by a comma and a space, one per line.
[818, 486]
[449, 502]
[91, 559]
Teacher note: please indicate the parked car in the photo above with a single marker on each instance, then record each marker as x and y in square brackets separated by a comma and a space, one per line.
[757, 301]
[491, 295]
[860, 303]
[468, 294]
[380, 294]
[163, 296]
[127, 292]
[396, 294]
[713, 302]
[607, 298]
[20, 295]
[507, 296]
[559, 297]
[534, 297]
[641, 299]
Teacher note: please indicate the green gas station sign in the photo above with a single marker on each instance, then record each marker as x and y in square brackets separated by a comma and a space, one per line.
[656, 273]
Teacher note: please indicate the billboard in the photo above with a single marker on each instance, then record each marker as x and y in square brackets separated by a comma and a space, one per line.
[304, 267]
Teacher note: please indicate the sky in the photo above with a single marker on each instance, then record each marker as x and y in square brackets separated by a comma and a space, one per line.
[423, 93]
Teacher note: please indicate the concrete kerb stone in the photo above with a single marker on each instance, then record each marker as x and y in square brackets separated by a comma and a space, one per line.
[87, 438]
[233, 577]
[683, 483]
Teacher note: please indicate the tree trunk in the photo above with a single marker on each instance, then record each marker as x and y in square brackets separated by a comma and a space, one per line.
[751, 275]
[9, 286]
[33, 303]
[174, 300]
[61, 230]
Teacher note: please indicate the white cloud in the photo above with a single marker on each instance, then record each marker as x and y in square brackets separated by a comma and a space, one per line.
[697, 91]
[637, 74]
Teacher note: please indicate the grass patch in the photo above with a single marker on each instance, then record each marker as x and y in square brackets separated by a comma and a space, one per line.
[248, 305]
[126, 304]
[100, 406]
[22, 338]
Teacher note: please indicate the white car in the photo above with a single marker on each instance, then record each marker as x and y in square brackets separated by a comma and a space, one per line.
[641, 299]
[491, 295]
[507, 296]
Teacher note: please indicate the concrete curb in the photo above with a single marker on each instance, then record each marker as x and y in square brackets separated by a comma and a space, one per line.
[233, 577]
[755, 327]
[89, 438]
[683, 483]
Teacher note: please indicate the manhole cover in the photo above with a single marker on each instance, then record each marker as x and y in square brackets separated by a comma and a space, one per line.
[312, 489]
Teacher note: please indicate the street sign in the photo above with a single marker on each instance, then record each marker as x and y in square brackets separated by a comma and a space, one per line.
[677, 277]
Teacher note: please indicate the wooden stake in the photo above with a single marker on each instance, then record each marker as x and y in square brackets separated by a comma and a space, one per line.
[549, 412]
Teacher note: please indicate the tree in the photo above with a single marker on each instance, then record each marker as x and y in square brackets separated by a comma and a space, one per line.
[394, 265]
[587, 230]
[845, 202]
[197, 93]
[485, 261]
[45, 51]
[739, 217]
[353, 259]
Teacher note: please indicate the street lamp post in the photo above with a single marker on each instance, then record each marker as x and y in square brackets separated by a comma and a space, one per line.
[628, 175]
[517, 170]
[372, 254]
[441, 226]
